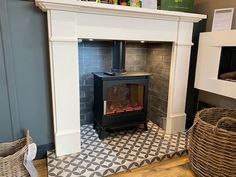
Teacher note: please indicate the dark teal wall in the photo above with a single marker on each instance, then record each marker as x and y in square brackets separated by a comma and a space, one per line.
[25, 97]
[5, 126]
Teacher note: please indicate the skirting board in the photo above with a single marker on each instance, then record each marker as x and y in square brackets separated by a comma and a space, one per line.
[42, 150]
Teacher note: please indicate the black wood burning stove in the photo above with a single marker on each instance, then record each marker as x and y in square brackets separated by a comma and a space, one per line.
[120, 97]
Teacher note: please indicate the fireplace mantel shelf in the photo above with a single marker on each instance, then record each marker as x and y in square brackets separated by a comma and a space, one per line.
[116, 10]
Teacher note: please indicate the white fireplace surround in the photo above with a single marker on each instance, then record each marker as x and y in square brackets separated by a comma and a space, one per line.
[70, 20]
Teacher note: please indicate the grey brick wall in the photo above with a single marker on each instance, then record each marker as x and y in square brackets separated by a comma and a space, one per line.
[93, 57]
[153, 58]
[136, 54]
[158, 63]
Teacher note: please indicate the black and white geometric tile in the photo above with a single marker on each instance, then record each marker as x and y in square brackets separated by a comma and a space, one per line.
[121, 151]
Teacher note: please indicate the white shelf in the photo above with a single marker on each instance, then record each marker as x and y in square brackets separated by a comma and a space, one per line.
[209, 52]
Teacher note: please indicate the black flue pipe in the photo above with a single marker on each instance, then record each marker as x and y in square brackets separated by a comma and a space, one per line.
[118, 60]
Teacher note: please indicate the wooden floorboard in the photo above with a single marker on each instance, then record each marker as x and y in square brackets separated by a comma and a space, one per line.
[41, 166]
[178, 167]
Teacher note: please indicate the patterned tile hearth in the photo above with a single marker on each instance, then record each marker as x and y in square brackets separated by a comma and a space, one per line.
[121, 151]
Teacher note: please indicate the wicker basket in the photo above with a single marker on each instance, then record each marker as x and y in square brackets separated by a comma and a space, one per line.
[212, 146]
[12, 157]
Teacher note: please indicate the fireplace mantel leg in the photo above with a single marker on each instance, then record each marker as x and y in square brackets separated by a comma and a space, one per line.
[64, 67]
[176, 117]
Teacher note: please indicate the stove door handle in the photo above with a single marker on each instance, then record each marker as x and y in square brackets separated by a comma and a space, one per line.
[104, 107]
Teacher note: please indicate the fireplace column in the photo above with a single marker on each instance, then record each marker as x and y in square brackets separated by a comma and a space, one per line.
[63, 46]
[180, 58]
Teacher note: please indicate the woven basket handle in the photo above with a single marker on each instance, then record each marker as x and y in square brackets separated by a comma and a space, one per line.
[223, 119]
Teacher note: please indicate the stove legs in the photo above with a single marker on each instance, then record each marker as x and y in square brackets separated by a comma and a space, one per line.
[94, 125]
[101, 134]
[145, 128]
[100, 130]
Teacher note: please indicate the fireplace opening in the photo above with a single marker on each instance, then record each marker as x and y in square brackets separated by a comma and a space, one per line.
[144, 96]
[122, 94]
[227, 66]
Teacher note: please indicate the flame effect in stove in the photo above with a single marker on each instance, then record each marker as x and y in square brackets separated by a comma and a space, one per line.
[124, 98]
